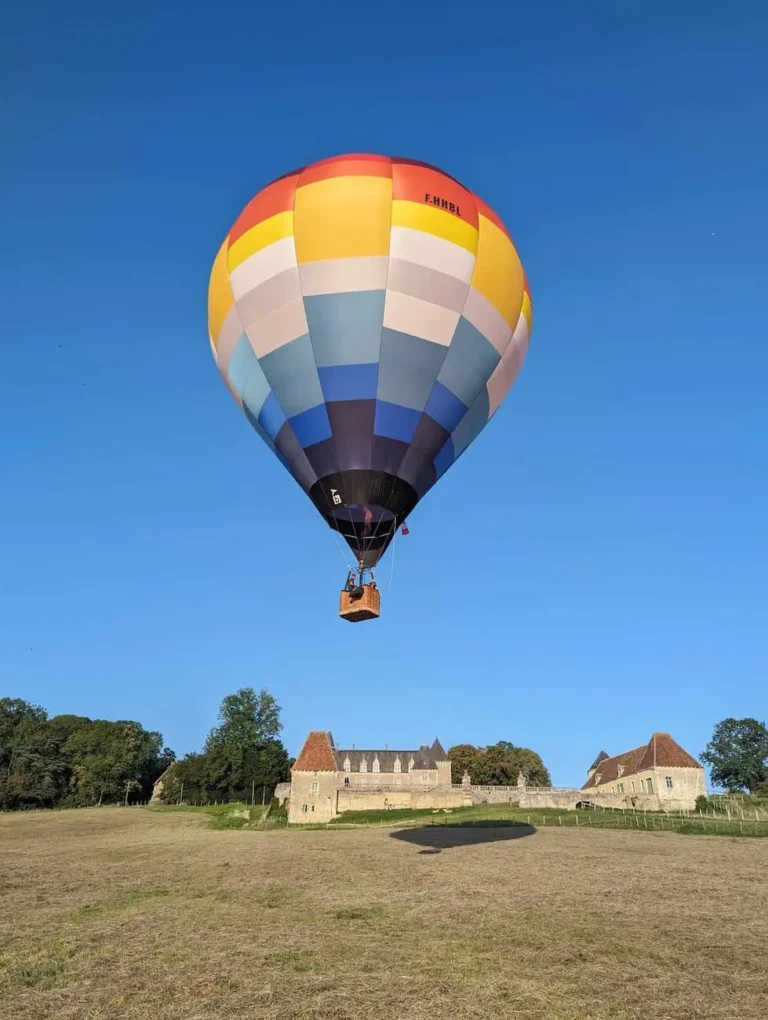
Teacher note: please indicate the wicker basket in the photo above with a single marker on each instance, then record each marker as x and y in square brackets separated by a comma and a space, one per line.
[366, 607]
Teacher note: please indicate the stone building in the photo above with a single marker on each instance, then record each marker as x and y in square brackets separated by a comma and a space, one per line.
[660, 768]
[327, 781]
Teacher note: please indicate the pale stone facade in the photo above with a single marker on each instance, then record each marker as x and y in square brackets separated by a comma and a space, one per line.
[660, 769]
[326, 782]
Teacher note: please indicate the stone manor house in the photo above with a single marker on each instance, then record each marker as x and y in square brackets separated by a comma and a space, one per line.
[327, 782]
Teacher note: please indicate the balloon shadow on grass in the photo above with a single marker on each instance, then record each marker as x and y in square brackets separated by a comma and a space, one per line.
[436, 838]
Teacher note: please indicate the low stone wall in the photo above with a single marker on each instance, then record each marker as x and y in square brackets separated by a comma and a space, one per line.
[542, 797]
[392, 799]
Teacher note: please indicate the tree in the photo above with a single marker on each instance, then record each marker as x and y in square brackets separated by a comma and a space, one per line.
[185, 779]
[72, 759]
[246, 719]
[498, 764]
[108, 758]
[265, 768]
[248, 725]
[39, 774]
[737, 755]
[20, 726]
[463, 758]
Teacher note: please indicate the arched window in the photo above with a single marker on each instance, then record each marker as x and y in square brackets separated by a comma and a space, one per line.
[347, 765]
[376, 766]
[397, 766]
[363, 765]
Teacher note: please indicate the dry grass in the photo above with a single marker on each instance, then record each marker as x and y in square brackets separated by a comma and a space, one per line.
[133, 915]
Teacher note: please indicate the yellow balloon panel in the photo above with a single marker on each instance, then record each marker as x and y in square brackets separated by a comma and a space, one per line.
[219, 294]
[343, 217]
[498, 274]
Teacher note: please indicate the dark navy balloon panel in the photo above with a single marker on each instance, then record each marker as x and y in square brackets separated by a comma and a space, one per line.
[368, 315]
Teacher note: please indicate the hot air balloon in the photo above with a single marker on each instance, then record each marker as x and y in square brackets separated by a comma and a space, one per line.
[368, 314]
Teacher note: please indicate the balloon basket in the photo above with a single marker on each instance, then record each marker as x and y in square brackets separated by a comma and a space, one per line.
[364, 603]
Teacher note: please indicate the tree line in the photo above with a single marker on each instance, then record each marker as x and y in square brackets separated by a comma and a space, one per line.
[74, 761]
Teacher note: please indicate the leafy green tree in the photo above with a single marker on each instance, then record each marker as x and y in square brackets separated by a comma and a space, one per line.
[20, 724]
[498, 764]
[185, 780]
[737, 755]
[265, 767]
[112, 759]
[72, 759]
[243, 751]
[246, 719]
[40, 770]
[463, 758]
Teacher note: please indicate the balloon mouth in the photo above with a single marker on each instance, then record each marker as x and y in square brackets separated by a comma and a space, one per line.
[365, 515]
[366, 508]
[367, 528]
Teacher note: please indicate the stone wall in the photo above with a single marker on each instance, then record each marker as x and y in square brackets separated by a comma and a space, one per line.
[282, 792]
[392, 798]
[566, 799]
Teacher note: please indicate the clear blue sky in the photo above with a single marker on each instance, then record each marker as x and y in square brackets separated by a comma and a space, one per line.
[148, 558]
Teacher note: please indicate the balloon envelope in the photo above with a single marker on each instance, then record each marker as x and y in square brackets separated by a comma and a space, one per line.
[368, 314]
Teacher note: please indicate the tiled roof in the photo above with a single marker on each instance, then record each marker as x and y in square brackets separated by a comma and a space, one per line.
[318, 754]
[608, 768]
[661, 751]
[665, 752]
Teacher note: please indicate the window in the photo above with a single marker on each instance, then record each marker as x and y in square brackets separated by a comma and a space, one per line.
[396, 767]
[649, 785]
[315, 788]
[633, 786]
[304, 808]
[411, 763]
[363, 765]
[668, 781]
[376, 767]
[347, 765]
[346, 780]
[424, 778]
[597, 778]
[620, 788]
[313, 807]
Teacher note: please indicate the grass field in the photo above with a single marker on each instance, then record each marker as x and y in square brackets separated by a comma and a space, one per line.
[686, 824]
[121, 914]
